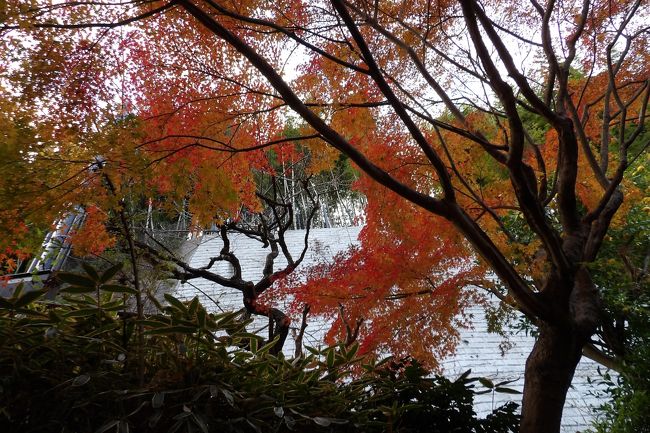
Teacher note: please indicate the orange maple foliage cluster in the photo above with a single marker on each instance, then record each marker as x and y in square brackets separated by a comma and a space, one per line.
[409, 279]
[405, 282]
[92, 238]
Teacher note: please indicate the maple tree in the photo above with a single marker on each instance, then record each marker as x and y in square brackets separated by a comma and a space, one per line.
[401, 291]
[438, 102]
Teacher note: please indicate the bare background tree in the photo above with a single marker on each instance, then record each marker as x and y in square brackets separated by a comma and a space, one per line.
[268, 228]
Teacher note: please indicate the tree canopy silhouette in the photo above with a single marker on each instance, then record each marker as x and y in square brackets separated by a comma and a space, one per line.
[520, 125]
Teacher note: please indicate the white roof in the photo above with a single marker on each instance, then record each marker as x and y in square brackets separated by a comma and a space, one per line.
[478, 349]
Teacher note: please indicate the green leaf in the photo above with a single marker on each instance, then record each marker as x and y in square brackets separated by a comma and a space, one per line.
[172, 330]
[290, 422]
[4, 303]
[255, 426]
[312, 350]
[30, 312]
[78, 289]
[486, 382]
[111, 326]
[158, 400]
[154, 323]
[330, 358]
[111, 307]
[194, 305]
[266, 348]
[107, 426]
[229, 397]
[112, 304]
[18, 290]
[82, 312]
[124, 426]
[76, 279]
[198, 420]
[153, 419]
[83, 300]
[81, 380]
[114, 288]
[28, 298]
[176, 303]
[177, 425]
[136, 410]
[53, 316]
[352, 350]
[505, 382]
[326, 422]
[506, 390]
[110, 272]
[92, 272]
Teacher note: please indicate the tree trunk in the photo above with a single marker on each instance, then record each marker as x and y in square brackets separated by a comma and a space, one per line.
[549, 371]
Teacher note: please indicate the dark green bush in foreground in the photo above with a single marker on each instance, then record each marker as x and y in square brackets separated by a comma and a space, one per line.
[80, 366]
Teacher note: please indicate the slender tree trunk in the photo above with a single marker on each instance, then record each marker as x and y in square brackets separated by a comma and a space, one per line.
[325, 214]
[303, 211]
[295, 224]
[549, 371]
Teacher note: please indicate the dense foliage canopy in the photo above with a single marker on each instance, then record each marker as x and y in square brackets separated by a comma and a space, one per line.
[500, 144]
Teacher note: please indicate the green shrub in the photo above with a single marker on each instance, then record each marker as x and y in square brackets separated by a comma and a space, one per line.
[85, 364]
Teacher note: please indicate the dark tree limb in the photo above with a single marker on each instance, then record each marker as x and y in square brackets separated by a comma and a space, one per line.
[351, 332]
[301, 332]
